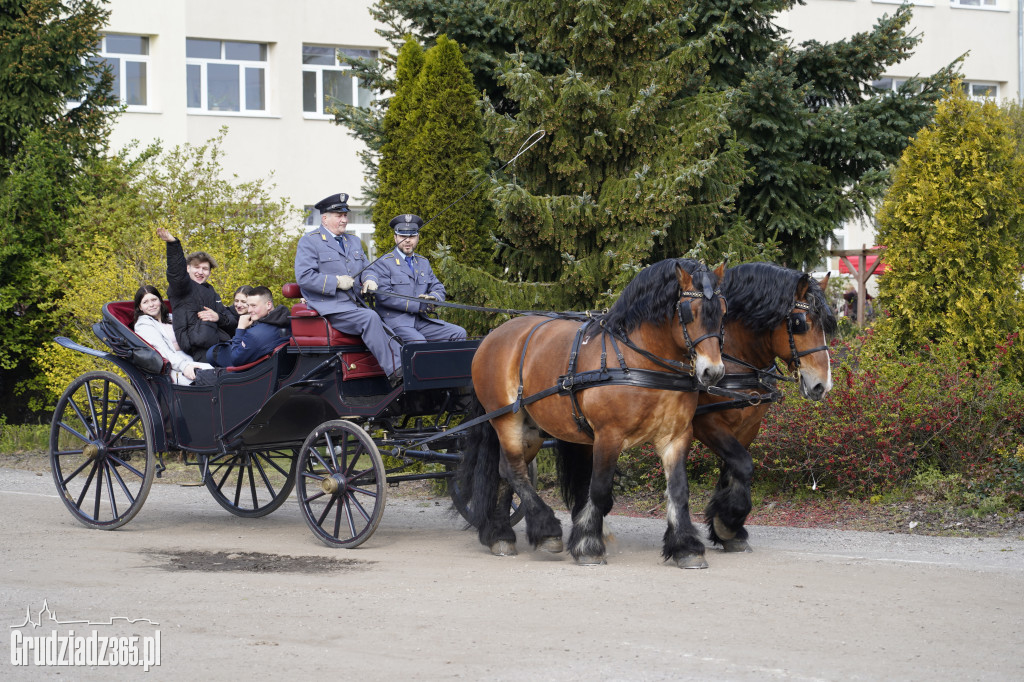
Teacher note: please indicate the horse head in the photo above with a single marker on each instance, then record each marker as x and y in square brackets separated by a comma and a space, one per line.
[699, 312]
[803, 341]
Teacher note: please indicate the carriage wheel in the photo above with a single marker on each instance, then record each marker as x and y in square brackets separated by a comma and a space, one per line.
[251, 483]
[342, 486]
[101, 450]
[517, 511]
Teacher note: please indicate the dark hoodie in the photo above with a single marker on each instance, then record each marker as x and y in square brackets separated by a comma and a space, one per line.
[261, 338]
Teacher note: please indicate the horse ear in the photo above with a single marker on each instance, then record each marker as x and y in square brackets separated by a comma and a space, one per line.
[685, 281]
[824, 281]
[720, 271]
[802, 286]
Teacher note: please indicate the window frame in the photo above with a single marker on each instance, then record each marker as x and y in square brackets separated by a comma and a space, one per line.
[319, 69]
[241, 80]
[969, 85]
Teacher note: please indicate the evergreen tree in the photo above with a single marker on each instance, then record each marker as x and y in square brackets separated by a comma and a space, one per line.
[953, 225]
[396, 183]
[56, 109]
[819, 150]
[632, 168]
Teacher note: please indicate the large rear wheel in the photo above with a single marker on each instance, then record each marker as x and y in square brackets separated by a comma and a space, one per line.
[101, 450]
[251, 483]
[342, 486]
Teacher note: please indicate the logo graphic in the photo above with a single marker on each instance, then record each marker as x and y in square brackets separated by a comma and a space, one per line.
[65, 648]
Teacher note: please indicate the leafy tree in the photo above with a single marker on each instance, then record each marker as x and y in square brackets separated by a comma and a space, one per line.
[55, 113]
[184, 190]
[953, 223]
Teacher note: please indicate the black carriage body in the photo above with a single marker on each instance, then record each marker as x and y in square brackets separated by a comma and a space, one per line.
[278, 401]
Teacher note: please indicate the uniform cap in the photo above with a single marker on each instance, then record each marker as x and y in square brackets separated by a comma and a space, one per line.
[336, 203]
[406, 225]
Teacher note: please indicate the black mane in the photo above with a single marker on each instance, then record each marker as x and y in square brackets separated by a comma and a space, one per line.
[761, 295]
[653, 294]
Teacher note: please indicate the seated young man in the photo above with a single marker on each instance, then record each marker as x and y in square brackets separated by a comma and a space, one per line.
[259, 332]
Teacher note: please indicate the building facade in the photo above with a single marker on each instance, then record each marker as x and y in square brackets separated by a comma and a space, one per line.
[267, 70]
[264, 69]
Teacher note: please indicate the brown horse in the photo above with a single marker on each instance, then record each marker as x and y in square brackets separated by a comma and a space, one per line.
[632, 376]
[774, 312]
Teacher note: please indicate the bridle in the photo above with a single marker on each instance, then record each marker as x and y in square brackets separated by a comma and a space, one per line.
[796, 323]
[684, 313]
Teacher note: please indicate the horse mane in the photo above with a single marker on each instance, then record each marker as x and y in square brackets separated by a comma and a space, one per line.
[653, 294]
[761, 295]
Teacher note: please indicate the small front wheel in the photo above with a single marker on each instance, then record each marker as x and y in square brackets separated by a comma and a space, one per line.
[251, 483]
[341, 484]
[101, 450]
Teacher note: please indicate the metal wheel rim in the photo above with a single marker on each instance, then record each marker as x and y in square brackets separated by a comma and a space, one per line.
[101, 450]
[341, 454]
[251, 484]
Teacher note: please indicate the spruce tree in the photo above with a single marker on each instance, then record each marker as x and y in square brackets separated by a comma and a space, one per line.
[632, 168]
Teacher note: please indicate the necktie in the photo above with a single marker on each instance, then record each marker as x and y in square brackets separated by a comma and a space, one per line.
[408, 261]
[341, 243]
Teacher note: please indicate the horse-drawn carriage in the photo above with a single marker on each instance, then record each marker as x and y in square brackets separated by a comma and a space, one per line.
[310, 406]
[317, 412]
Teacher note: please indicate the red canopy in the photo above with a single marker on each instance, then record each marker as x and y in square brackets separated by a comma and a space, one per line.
[871, 260]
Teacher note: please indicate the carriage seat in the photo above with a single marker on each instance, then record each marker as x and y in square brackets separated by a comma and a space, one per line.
[248, 365]
[310, 329]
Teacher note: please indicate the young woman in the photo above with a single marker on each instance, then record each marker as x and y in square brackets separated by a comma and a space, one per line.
[242, 299]
[153, 324]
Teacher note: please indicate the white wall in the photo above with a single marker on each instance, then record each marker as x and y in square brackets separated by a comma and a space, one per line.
[310, 158]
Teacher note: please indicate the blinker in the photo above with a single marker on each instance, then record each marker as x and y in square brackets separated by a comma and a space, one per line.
[798, 323]
[685, 312]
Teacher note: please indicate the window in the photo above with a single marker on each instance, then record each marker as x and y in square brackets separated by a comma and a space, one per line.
[326, 81]
[980, 92]
[973, 3]
[890, 83]
[226, 76]
[128, 58]
[359, 224]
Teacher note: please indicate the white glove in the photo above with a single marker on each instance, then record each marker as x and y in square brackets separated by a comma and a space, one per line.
[345, 282]
[429, 297]
[369, 285]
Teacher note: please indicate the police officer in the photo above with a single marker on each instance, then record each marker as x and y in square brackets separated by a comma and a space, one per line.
[327, 261]
[404, 272]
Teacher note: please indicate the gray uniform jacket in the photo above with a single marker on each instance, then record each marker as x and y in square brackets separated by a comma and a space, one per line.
[318, 261]
[393, 275]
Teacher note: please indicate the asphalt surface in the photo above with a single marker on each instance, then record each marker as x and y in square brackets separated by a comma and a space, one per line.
[422, 600]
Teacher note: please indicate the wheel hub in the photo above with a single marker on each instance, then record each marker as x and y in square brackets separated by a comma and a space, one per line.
[93, 451]
[334, 483]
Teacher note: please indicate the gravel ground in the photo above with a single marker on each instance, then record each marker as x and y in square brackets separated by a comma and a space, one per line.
[920, 515]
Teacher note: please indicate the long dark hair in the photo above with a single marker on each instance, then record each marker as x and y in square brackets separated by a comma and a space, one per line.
[141, 294]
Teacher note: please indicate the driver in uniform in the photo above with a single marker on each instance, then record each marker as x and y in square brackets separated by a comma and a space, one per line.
[405, 272]
[327, 262]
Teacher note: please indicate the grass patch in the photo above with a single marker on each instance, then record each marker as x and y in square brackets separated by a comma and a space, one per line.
[22, 438]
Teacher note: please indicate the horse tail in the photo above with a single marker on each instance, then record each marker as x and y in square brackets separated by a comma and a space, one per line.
[574, 463]
[477, 477]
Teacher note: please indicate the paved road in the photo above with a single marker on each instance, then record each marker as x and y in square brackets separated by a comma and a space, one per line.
[421, 600]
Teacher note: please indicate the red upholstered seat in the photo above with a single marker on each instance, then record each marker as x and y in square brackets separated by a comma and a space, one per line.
[241, 368]
[310, 329]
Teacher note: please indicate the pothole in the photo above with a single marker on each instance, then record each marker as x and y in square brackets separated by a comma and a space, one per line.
[254, 562]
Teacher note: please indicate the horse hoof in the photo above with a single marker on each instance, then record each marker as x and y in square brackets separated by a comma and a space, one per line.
[553, 545]
[736, 546]
[504, 548]
[591, 561]
[692, 561]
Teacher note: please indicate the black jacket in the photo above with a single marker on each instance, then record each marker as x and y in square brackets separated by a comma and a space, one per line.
[187, 298]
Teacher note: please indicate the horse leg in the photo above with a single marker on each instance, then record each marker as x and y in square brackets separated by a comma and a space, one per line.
[682, 544]
[586, 541]
[520, 440]
[575, 465]
[730, 504]
[485, 490]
